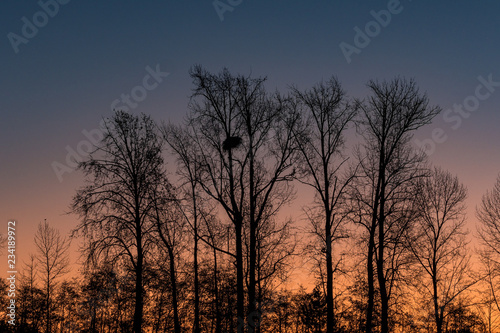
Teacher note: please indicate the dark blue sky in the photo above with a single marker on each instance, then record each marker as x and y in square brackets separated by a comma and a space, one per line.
[65, 78]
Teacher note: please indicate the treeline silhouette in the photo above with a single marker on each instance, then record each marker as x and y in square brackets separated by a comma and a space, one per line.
[206, 244]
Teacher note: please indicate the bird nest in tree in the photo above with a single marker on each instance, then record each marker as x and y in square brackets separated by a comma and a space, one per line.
[231, 142]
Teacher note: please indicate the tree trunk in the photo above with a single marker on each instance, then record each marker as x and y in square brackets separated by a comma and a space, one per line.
[238, 227]
[173, 282]
[259, 293]
[330, 321]
[196, 324]
[371, 252]
[437, 314]
[218, 328]
[252, 314]
[47, 313]
[240, 292]
[371, 281]
[138, 288]
[384, 298]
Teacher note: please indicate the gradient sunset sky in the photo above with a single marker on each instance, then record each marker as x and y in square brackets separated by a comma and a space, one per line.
[65, 77]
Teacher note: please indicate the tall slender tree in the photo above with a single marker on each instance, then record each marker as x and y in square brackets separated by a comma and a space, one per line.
[244, 137]
[326, 114]
[170, 227]
[52, 260]
[29, 294]
[122, 173]
[488, 214]
[438, 241]
[390, 115]
[181, 143]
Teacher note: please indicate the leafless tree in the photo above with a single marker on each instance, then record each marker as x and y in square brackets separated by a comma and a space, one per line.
[52, 262]
[215, 235]
[199, 213]
[170, 228]
[122, 173]
[325, 115]
[390, 115]
[181, 143]
[245, 140]
[489, 215]
[489, 306]
[438, 241]
[29, 294]
[489, 232]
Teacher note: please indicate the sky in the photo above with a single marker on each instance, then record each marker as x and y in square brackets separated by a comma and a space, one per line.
[65, 64]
